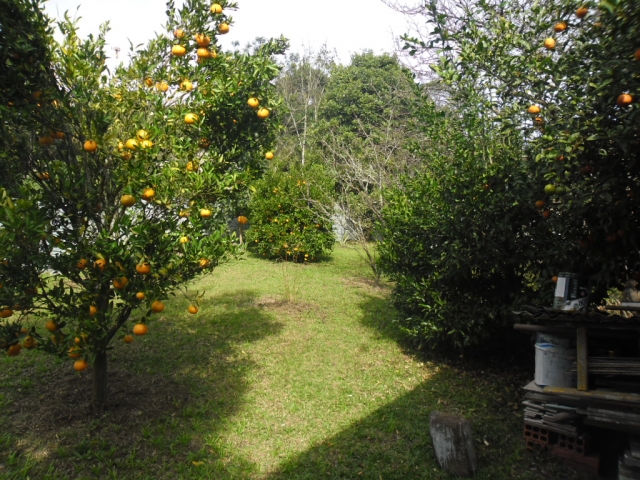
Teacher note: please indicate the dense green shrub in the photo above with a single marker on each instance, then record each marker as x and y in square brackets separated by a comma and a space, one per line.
[457, 238]
[285, 222]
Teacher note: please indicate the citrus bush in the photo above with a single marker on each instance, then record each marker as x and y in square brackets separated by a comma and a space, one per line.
[285, 220]
[556, 83]
[126, 180]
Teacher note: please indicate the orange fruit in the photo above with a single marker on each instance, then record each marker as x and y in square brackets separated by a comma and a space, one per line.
[6, 313]
[146, 144]
[550, 43]
[202, 40]
[263, 113]
[148, 194]
[205, 213]
[546, 213]
[216, 9]
[157, 306]
[100, 263]
[143, 269]
[190, 118]
[203, 53]
[184, 240]
[178, 50]
[554, 279]
[45, 140]
[162, 86]
[253, 102]
[14, 350]
[44, 176]
[178, 33]
[538, 120]
[132, 144]
[223, 28]
[90, 146]
[120, 283]
[51, 326]
[540, 203]
[582, 12]
[186, 85]
[128, 339]
[533, 109]
[624, 100]
[128, 200]
[29, 342]
[192, 309]
[142, 134]
[74, 352]
[82, 263]
[204, 262]
[140, 329]
[184, 213]
[269, 155]
[92, 310]
[140, 295]
[637, 55]
[560, 27]
[148, 82]
[242, 220]
[80, 365]
[191, 167]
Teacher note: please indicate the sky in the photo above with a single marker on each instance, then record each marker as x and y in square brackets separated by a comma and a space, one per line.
[348, 26]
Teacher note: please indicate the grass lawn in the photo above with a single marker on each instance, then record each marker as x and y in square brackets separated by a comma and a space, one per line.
[287, 372]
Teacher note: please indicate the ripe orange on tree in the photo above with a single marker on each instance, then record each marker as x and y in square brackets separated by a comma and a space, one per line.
[582, 12]
[128, 200]
[140, 329]
[178, 33]
[178, 50]
[202, 40]
[143, 268]
[29, 342]
[190, 118]
[269, 155]
[263, 113]
[127, 339]
[140, 295]
[192, 309]
[205, 213]
[143, 134]
[74, 352]
[148, 82]
[186, 85]
[216, 9]
[203, 53]
[132, 144]
[148, 194]
[253, 102]
[560, 27]
[90, 146]
[550, 43]
[46, 140]
[100, 263]
[14, 350]
[157, 306]
[624, 100]
[82, 263]
[120, 283]
[533, 109]
[242, 220]
[92, 310]
[51, 326]
[223, 28]
[540, 203]
[80, 365]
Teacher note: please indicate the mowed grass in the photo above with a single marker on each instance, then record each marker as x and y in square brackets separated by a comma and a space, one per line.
[287, 372]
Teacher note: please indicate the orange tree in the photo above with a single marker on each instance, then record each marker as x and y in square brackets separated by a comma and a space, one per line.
[123, 183]
[566, 77]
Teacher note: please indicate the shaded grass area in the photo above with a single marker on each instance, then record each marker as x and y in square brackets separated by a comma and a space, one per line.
[287, 372]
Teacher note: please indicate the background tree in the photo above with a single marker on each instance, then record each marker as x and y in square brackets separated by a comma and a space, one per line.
[126, 182]
[367, 137]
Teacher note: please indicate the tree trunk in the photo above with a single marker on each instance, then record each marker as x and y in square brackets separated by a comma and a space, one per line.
[100, 392]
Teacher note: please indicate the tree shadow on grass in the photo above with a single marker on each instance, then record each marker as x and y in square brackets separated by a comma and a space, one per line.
[170, 394]
[393, 442]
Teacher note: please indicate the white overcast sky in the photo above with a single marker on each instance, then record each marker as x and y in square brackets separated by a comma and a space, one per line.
[348, 26]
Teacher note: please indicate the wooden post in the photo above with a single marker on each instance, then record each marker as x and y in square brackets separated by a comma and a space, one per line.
[583, 377]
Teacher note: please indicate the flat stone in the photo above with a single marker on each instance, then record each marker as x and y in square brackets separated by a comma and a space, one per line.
[453, 443]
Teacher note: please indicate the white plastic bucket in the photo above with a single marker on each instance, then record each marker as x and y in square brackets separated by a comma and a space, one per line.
[558, 341]
[553, 366]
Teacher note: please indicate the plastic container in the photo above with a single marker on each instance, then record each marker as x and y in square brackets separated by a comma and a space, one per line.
[556, 340]
[553, 366]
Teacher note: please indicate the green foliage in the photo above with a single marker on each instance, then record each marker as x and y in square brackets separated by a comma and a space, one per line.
[456, 238]
[479, 246]
[68, 211]
[285, 220]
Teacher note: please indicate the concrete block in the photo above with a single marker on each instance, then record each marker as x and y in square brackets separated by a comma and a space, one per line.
[453, 443]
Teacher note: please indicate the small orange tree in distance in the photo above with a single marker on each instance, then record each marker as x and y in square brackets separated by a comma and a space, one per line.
[125, 180]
